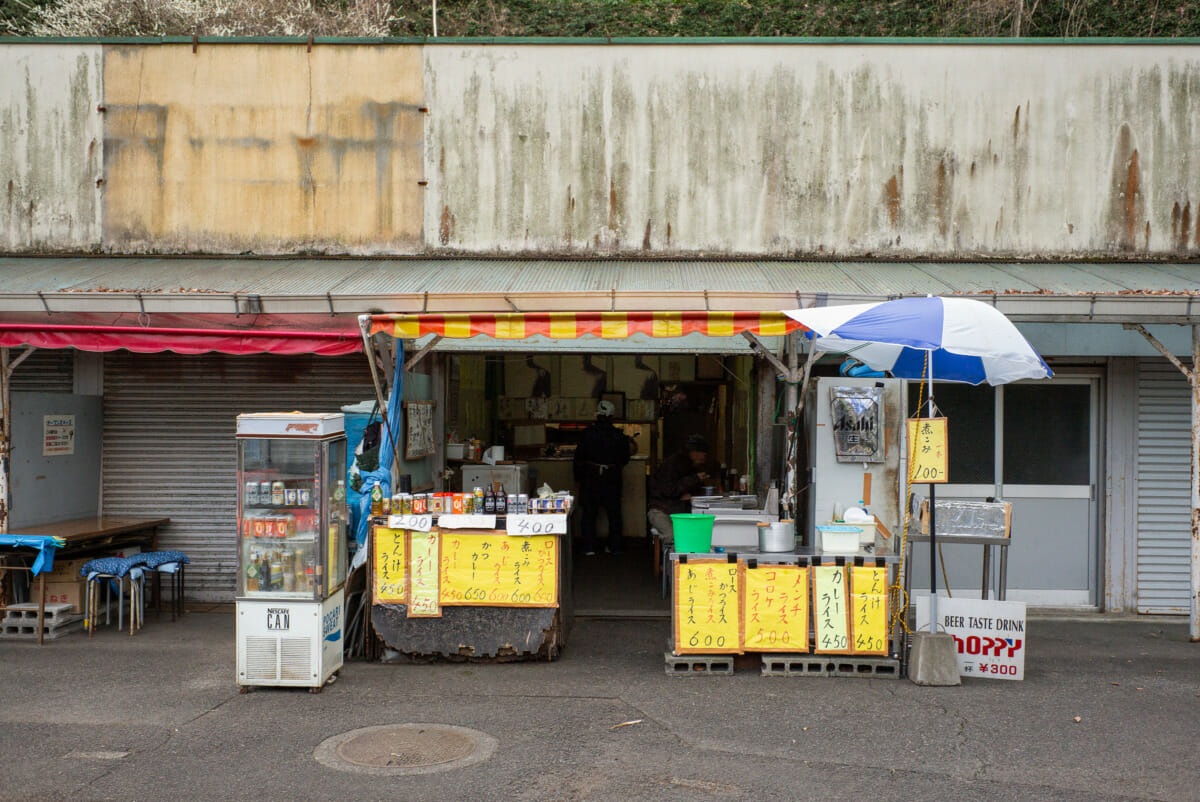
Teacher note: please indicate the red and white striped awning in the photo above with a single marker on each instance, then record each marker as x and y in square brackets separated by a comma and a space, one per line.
[570, 325]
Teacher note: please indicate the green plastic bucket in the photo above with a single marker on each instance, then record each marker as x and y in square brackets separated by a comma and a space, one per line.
[693, 532]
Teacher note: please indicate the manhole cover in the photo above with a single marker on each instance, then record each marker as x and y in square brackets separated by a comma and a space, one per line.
[405, 749]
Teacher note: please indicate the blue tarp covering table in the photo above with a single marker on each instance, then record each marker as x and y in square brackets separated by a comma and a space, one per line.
[44, 544]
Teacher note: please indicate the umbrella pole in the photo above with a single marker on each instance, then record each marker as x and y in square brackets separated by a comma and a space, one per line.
[933, 618]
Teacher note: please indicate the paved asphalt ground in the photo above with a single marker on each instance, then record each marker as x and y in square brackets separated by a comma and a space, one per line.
[157, 716]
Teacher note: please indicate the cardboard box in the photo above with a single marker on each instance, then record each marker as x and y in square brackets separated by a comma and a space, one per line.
[66, 570]
[72, 593]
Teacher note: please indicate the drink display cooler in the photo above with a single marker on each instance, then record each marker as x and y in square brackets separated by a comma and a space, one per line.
[291, 548]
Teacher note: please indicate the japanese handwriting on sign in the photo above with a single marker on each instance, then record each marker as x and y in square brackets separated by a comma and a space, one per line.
[524, 525]
[776, 608]
[831, 616]
[423, 563]
[391, 566]
[869, 610]
[929, 450]
[707, 607]
[498, 570]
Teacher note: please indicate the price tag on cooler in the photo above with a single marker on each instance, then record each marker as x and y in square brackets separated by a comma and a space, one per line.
[525, 525]
[414, 523]
[989, 636]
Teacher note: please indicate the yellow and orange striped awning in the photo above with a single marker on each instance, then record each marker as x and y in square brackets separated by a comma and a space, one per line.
[570, 325]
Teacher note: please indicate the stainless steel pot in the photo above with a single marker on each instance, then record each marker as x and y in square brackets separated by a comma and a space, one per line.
[776, 537]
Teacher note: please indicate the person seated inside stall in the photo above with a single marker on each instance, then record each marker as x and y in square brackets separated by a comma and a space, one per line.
[602, 453]
[674, 482]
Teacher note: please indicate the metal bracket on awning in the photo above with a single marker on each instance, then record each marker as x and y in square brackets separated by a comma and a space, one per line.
[43, 298]
[509, 301]
[329, 297]
[13, 365]
[419, 355]
[766, 354]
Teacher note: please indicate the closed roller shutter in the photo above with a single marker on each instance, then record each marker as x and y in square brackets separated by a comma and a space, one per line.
[169, 448]
[1163, 489]
[44, 371]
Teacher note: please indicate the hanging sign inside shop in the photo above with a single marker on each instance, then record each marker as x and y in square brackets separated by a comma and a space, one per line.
[707, 607]
[868, 610]
[989, 635]
[423, 561]
[929, 450]
[830, 610]
[776, 608]
[416, 523]
[524, 525]
[391, 566]
[487, 570]
[58, 435]
[858, 423]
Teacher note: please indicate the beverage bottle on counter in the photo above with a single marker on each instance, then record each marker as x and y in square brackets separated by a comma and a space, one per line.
[501, 501]
[376, 499]
[489, 501]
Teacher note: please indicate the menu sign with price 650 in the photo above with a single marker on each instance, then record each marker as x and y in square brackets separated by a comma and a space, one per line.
[928, 450]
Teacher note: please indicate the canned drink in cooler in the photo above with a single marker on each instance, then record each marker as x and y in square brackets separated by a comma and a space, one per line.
[290, 497]
[260, 527]
[305, 498]
[264, 493]
[251, 497]
[281, 526]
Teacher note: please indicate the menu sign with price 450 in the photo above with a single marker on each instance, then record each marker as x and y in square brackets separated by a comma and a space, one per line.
[989, 636]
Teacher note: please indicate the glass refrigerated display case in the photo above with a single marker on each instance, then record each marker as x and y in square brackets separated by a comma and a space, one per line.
[291, 547]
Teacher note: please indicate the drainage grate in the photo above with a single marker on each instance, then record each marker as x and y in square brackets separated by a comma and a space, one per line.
[405, 749]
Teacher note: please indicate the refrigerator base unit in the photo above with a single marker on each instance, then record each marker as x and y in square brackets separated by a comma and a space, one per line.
[289, 643]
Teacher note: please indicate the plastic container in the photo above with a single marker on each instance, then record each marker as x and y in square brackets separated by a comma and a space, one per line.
[693, 532]
[839, 538]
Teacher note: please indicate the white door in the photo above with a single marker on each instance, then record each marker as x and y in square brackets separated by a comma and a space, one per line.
[1033, 444]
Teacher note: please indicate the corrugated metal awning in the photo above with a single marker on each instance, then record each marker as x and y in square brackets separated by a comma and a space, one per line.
[334, 288]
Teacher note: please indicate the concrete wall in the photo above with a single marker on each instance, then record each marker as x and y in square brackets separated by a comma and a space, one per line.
[263, 148]
[909, 151]
[51, 145]
[839, 149]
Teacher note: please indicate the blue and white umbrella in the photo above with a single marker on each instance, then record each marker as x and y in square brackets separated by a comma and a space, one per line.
[968, 341]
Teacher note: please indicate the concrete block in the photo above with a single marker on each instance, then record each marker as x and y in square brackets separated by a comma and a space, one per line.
[932, 660]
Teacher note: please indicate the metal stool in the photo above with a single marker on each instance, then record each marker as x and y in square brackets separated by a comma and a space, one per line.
[107, 570]
[172, 565]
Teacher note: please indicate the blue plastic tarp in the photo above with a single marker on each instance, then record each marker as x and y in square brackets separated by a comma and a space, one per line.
[45, 544]
[391, 433]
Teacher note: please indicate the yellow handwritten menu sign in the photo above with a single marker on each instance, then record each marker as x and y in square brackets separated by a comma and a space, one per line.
[929, 450]
[707, 609]
[391, 566]
[830, 611]
[868, 610]
[498, 570]
[423, 563]
[775, 608]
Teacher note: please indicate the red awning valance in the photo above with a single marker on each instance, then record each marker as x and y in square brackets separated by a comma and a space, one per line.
[181, 341]
[570, 325]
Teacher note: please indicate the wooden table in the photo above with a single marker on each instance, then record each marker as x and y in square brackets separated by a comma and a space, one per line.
[86, 537]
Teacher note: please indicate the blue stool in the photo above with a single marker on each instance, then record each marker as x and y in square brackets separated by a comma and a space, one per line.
[107, 570]
[170, 564]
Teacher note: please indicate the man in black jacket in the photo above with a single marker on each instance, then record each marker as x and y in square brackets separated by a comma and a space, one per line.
[602, 453]
[676, 479]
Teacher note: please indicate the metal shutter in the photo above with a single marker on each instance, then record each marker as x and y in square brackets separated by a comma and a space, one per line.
[1163, 488]
[44, 371]
[169, 448]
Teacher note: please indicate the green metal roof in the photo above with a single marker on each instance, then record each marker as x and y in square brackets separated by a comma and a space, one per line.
[1032, 291]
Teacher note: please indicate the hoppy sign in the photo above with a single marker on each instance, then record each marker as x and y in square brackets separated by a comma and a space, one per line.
[989, 636]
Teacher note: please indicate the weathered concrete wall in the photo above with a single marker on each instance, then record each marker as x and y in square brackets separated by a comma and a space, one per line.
[937, 151]
[50, 147]
[263, 148]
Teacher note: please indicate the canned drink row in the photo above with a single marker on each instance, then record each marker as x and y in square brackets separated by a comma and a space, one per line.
[275, 494]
